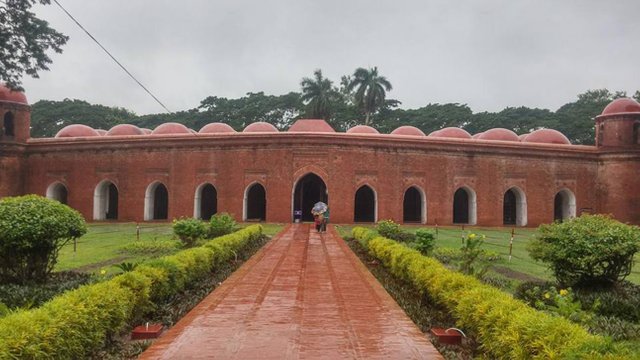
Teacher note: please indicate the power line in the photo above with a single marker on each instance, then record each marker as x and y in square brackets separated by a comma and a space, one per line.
[111, 56]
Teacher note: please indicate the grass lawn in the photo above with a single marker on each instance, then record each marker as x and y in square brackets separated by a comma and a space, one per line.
[100, 247]
[497, 239]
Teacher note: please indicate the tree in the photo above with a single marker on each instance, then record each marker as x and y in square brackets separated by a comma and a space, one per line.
[24, 41]
[32, 231]
[370, 91]
[588, 250]
[318, 95]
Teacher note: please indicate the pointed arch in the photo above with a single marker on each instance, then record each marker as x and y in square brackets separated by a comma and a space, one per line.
[365, 207]
[307, 190]
[564, 205]
[464, 206]
[205, 203]
[514, 207]
[414, 205]
[105, 201]
[58, 191]
[255, 203]
[8, 124]
[156, 202]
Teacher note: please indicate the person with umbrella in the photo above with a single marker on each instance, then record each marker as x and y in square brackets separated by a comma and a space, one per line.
[318, 211]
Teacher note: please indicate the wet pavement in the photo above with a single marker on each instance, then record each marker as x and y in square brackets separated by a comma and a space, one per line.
[303, 296]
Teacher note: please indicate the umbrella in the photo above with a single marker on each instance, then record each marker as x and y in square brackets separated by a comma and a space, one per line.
[319, 208]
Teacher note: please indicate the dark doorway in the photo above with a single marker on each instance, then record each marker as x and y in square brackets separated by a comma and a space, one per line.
[309, 190]
[509, 208]
[365, 205]
[112, 208]
[160, 202]
[461, 207]
[412, 206]
[558, 204]
[256, 203]
[9, 126]
[208, 202]
[58, 192]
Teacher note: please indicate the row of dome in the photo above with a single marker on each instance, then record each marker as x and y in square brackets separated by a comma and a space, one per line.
[548, 136]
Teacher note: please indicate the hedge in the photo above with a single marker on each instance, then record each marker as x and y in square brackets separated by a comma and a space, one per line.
[79, 322]
[505, 327]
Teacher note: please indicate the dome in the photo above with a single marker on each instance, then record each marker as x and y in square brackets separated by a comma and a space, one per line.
[76, 130]
[260, 126]
[217, 127]
[499, 134]
[452, 132]
[547, 136]
[408, 131]
[362, 129]
[475, 136]
[522, 137]
[434, 133]
[125, 129]
[8, 95]
[621, 106]
[311, 125]
[170, 128]
[101, 132]
[146, 131]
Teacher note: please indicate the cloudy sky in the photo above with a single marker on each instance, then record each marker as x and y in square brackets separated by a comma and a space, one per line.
[488, 54]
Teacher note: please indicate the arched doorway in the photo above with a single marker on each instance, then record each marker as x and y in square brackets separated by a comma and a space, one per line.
[57, 191]
[105, 201]
[156, 202]
[206, 202]
[308, 190]
[464, 206]
[564, 205]
[8, 124]
[255, 203]
[365, 206]
[514, 208]
[413, 206]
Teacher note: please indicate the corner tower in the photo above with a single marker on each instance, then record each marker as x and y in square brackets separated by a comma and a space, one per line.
[619, 124]
[15, 122]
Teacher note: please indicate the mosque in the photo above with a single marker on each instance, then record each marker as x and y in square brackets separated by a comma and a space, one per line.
[495, 178]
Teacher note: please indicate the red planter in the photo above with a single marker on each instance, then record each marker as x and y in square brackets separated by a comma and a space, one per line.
[146, 332]
[448, 336]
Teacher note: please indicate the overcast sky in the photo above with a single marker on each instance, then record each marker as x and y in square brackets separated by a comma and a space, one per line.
[487, 54]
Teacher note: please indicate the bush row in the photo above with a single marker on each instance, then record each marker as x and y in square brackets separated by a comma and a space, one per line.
[78, 322]
[505, 327]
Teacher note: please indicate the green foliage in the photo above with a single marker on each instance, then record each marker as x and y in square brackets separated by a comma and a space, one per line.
[622, 301]
[471, 251]
[33, 295]
[389, 229]
[370, 91]
[151, 247]
[25, 41]
[505, 327]
[221, 224]
[617, 328]
[590, 249]
[189, 230]
[126, 266]
[425, 241]
[32, 231]
[319, 96]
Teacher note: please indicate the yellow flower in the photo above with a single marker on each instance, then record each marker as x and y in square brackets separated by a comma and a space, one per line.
[102, 272]
[564, 292]
[547, 295]
[472, 236]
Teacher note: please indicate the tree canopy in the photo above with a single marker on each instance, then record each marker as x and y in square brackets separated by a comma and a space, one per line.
[25, 41]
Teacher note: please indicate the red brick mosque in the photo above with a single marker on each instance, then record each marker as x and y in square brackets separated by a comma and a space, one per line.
[447, 177]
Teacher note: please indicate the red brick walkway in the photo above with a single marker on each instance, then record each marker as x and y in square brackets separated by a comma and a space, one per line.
[304, 296]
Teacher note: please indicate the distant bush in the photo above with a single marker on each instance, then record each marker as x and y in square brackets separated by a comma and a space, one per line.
[424, 242]
[189, 230]
[221, 224]
[32, 231]
[151, 247]
[588, 250]
[389, 229]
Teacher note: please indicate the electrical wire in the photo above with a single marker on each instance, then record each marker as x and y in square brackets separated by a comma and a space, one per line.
[111, 56]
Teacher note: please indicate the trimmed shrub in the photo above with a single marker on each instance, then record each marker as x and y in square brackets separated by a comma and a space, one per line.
[151, 247]
[189, 230]
[505, 327]
[588, 250]
[221, 224]
[388, 229]
[425, 241]
[32, 231]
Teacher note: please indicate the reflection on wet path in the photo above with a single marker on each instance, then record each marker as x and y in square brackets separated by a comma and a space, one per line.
[304, 296]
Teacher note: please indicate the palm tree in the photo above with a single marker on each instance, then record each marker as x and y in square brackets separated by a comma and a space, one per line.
[371, 90]
[318, 95]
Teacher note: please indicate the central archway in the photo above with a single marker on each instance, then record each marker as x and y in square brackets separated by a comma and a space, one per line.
[564, 205]
[413, 206]
[105, 201]
[464, 206]
[255, 203]
[156, 202]
[57, 191]
[365, 207]
[308, 190]
[205, 203]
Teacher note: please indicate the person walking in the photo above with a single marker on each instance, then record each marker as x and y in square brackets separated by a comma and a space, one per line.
[325, 219]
